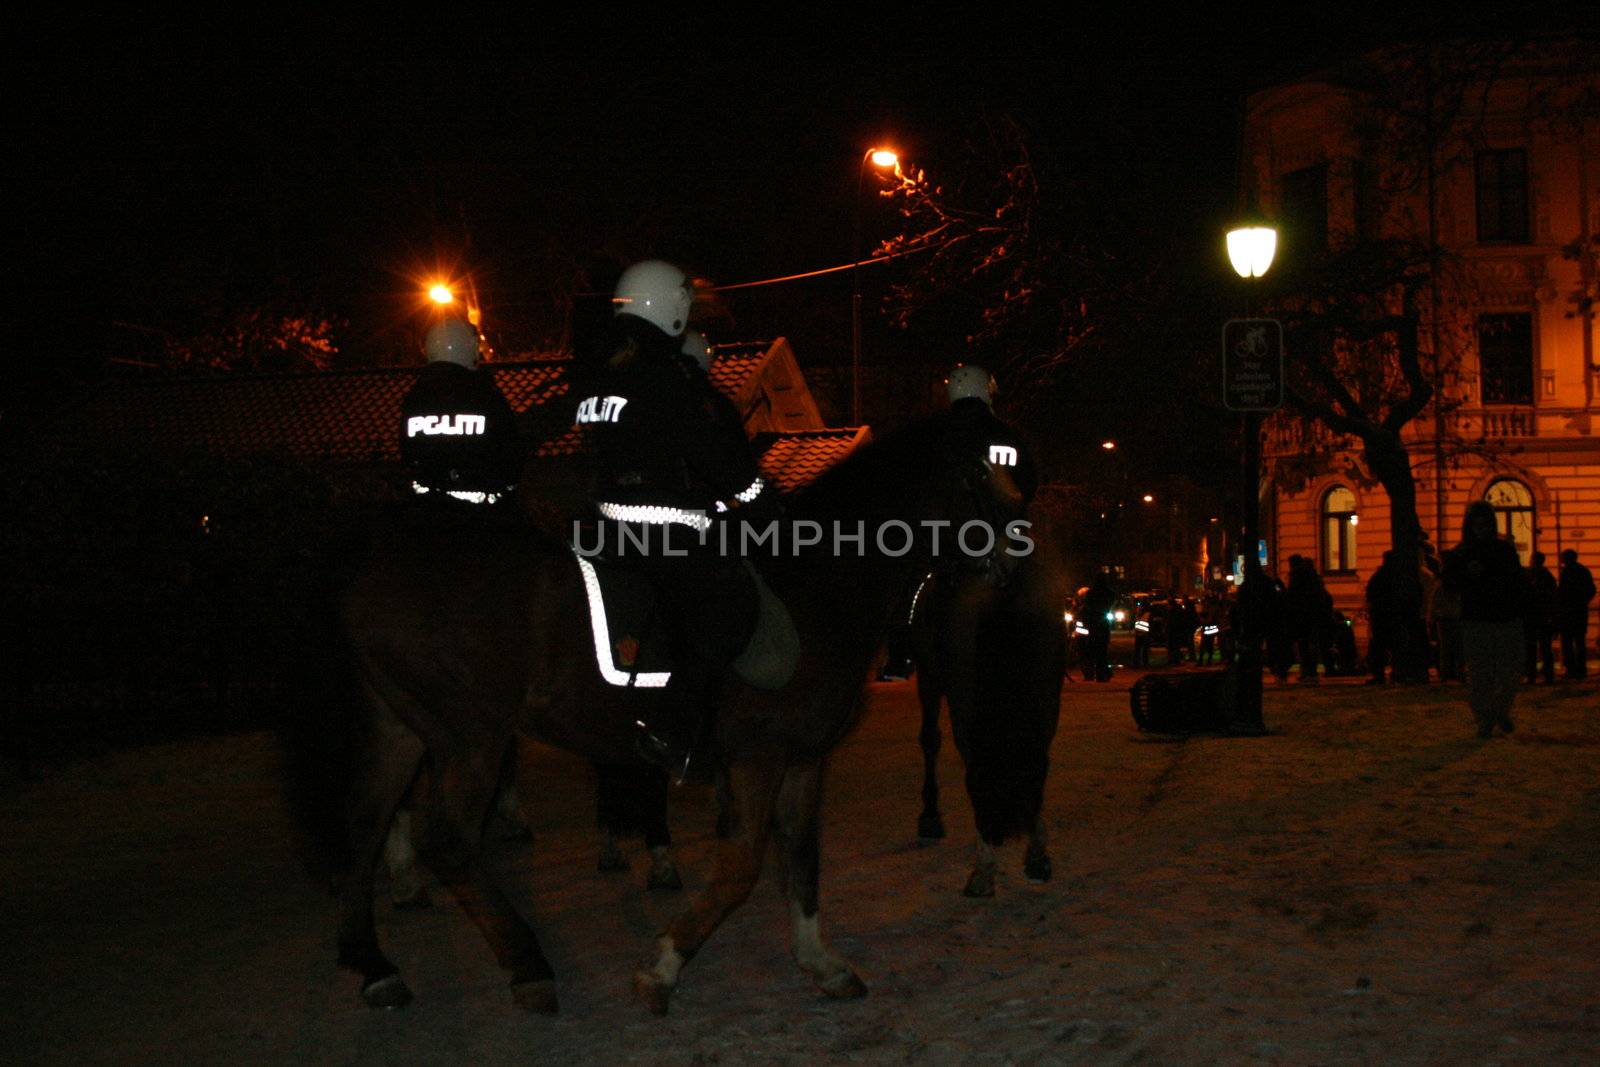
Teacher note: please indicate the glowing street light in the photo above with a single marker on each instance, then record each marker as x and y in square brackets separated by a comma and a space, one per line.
[1109, 446]
[1149, 499]
[884, 159]
[1250, 249]
[440, 294]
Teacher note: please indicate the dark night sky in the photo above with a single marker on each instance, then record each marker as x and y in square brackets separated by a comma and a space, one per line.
[329, 155]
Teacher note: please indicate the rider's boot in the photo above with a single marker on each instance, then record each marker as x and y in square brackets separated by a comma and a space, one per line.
[676, 734]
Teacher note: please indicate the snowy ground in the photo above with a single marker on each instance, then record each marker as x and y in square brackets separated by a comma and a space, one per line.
[1369, 885]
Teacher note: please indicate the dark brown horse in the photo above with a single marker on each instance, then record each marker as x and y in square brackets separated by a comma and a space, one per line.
[459, 651]
[997, 655]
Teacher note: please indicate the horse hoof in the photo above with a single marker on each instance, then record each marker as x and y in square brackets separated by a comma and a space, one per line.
[538, 997]
[1037, 868]
[980, 883]
[413, 900]
[845, 985]
[388, 992]
[930, 828]
[657, 995]
[611, 860]
[664, 876]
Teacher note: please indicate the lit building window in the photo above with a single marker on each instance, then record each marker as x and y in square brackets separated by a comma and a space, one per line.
[1514, 515]
[1502, 183]
[1339, 531]
[1505, 358]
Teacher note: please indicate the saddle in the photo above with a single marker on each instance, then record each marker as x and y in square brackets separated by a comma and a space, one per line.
[630, 644]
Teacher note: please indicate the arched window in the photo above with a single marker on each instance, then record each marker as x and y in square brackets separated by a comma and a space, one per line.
[1338, 531]
[1513, 511]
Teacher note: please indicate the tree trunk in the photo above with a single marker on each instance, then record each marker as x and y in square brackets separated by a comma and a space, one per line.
[1388, 459]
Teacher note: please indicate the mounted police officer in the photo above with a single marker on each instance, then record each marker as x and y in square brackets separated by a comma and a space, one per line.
[458, 436]
[669, 465]
[972, 390]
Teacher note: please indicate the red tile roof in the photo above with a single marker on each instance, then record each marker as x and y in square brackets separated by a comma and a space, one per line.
[351, 416]
[796, 459]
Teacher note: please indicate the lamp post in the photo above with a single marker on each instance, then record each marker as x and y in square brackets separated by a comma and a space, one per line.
[882, 158]
[1250, 249]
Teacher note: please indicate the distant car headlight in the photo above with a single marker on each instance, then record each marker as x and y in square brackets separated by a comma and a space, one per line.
[1066, 616]
[1121, 615]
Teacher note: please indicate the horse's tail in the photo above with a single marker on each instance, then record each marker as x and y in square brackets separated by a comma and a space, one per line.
[1016, 702]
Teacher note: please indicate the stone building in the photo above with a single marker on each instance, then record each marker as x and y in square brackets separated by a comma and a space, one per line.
[1515, 208]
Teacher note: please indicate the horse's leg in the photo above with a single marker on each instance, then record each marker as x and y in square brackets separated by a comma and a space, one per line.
[509, 808]
[980, 883]
[657, 836]
[610, 860]
[383, 773]
[1036, 861]
[724, 807]
[470, 791]
[930, 826]
[797, 822]
[405, 882]
[752, 788]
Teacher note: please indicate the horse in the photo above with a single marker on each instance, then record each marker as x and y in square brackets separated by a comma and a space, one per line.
[456, 653]
[630, 801]
[998, 658]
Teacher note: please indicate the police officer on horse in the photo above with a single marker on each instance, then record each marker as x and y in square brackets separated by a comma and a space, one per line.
[458, 437]
[669, 464]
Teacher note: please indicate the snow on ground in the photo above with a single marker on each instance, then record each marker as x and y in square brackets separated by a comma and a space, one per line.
[1370, 884]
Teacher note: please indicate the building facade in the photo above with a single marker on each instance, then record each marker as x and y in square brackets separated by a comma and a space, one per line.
[1511, 203]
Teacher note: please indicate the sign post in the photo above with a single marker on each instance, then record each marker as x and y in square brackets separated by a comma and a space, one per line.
[1252, 383]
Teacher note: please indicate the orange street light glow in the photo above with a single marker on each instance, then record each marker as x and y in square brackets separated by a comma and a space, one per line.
[883, 157]
[441, 294]
[1148, 499]
[1108, 445]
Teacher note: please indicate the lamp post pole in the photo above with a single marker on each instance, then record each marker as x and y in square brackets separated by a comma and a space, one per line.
[1251, 250]
[881, 157]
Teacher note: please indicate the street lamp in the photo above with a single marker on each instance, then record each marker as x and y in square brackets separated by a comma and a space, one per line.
[884, 159]
[1250, 249]
[440, 294]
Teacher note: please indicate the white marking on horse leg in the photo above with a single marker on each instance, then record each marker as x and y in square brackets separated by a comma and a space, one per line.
[809, 951]
[507, 805]
[400, 857]
[668, 964]
[834, 976]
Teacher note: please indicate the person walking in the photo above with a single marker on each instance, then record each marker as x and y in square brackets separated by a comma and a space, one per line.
[1539, 625]
[1095, 615]
[1446, 615]
[1484, 570]
[1308, 606]
[1573, 594]
[1381, 614]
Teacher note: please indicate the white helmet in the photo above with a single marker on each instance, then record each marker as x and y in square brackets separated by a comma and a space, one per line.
[656, 292]
[970, 380]
[697, 348]
[452, 340]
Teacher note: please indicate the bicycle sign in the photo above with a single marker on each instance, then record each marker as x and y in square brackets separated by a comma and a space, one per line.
[1252, 364]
